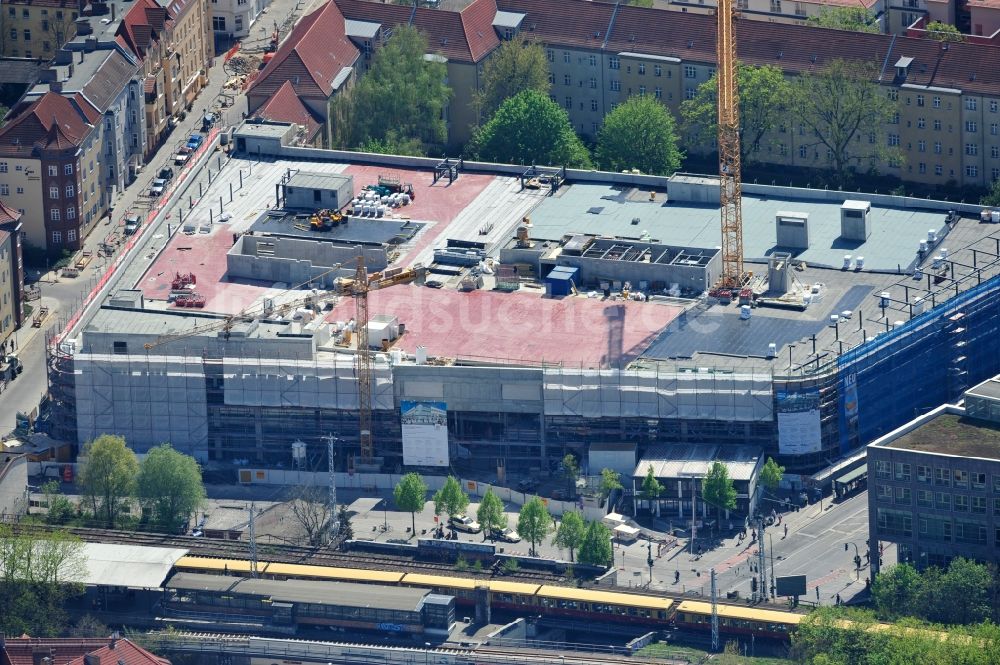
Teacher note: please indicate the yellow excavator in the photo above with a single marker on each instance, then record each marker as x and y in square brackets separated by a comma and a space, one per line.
[324, 220]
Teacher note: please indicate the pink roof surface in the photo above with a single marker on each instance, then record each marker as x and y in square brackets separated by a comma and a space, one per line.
[205, 256]
[494, 326]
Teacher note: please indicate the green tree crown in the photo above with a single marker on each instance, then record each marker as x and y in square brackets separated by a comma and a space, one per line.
[639, 134]
[571, 531]
[534, 522]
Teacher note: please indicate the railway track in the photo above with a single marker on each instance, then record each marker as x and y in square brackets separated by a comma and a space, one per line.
[281, 553]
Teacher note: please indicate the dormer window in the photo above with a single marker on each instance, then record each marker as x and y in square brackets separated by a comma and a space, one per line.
[902, 67]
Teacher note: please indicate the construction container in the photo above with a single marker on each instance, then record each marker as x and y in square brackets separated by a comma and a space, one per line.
[561, 281]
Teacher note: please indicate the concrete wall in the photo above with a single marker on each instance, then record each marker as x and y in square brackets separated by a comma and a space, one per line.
[13, 483]
[296, 261]
[593, 271]
[333, 198]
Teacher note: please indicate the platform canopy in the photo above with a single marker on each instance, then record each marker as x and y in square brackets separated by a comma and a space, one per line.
[124, 565]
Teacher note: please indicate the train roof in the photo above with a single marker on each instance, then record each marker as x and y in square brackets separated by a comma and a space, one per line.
[740, 612]
[334, 573]
[606, 597]
[422, 579]
[219, 565]
[341, 594]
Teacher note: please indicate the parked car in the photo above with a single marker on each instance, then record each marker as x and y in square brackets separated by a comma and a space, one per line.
[182, 156]
[132, 223]
[166, 173]
[207, 122]
[433, 283]
[464, 523]
[507, 535]
[527, 485]
[195, 141]
[157, 187]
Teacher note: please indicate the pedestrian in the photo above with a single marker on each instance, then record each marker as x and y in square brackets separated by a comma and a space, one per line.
[838, 599]
[786, 532]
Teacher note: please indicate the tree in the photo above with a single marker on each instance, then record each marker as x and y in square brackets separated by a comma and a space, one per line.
[490, 514]
[450, 499]
[639, 134]
[570, 472]
[411, 495]
[651, 490]
[896, 590]
[401, 99]
[856, 19]
[312, 510]
[959, 595]
[596, 546]
[764, 95]
[60, 508]
[771, 474]
[571, 531]
[393, 144]
[611, 481]
[534, 522]
[516, 66]
[108, 477]
[89, 626]
[717, 487]
[943, 32]
[529, 128]
[344, 519]
[169, 486]
[993, 197]
[838, 106]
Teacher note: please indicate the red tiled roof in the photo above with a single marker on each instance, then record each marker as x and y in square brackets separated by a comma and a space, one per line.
[51, 120]
[285, 106]
[71, 651]
[794, 48]
[8, 214]
[141, 24]
[466, 36]
[311, 57]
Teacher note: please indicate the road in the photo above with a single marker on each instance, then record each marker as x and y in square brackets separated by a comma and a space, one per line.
[63, 296]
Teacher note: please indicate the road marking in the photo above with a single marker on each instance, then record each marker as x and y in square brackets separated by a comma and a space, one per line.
[832, 575]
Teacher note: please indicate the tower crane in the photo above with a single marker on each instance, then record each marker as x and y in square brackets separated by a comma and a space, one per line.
[730, 176]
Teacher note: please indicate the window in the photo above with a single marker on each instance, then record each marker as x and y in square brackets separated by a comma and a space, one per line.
[920, 100]
[978, 480]
[4, 189]
[923, 474]
[937, 147]
[552, 78]
[902, 471]
[690, 72]
[883, 469]
[803, 152]
[55, 215]
[895, 522]
[566, 57]
[219, 23]
[20, 190]
[936, 102]
[54, 192]
[642, 90]
[937, 125]
[903, 495]
[922, 167]
[994, 128]
[67, 169]
[973, 533]
[942, 501]
[658, 71]
[993, 106]
[567, 79]
[895, 118]
[616, 86]
[921, 146]
[925, 499]
[934, 528]
[57, 237]
[658, 92]
[593, 82]
[550, 55]
[893, 95]
[614, 63]
[689, 93]
[961, 503]
[776, 6]
[942, 477]
[921, 123]
[27, 35]
[938, 169]
[593, 61]
[593, 104]
[972, 171]
[971, 126]
[71, 235]
[970, 103]
[961, 478]
[3, 167]
[568, 103]
[893, 140]
[53, 170]
[70, 191]
[782, 149]
[642, 69]
[971, 149]
[994, 174]
[979, 505]
[13, 34]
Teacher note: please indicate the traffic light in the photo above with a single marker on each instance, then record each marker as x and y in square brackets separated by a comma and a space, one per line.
[753, 584]
[845, 547]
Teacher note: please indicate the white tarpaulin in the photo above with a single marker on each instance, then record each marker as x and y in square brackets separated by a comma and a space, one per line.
[798, 422]
[425, 433]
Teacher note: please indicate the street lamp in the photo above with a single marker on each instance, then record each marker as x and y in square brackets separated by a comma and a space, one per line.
[857, 559]
[770, 545]
[649, 559]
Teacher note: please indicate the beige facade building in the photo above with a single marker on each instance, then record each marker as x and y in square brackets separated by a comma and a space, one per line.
[36, 28]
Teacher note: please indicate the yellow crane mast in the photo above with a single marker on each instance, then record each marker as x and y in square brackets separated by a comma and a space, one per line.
[730, 177]
[363, 362]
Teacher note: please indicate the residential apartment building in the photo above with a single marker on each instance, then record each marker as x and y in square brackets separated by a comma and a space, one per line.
[36, 28]
[796, 12]
[175, 45]
[231, 19]
[11, 274]
[934, 484]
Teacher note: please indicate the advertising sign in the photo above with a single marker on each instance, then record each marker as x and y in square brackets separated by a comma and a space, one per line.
[425, 433]
[798, 421]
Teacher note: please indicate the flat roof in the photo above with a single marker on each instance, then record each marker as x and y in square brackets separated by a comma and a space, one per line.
[124, 565]
[740, 612]
[356, 230]
[610, 210]
[363, 29]
[314, 180]
[342, 594]
[990, 389]
[685, 460]
[952, 434]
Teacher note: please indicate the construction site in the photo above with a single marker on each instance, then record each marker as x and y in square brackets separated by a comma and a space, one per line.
[303, 295]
